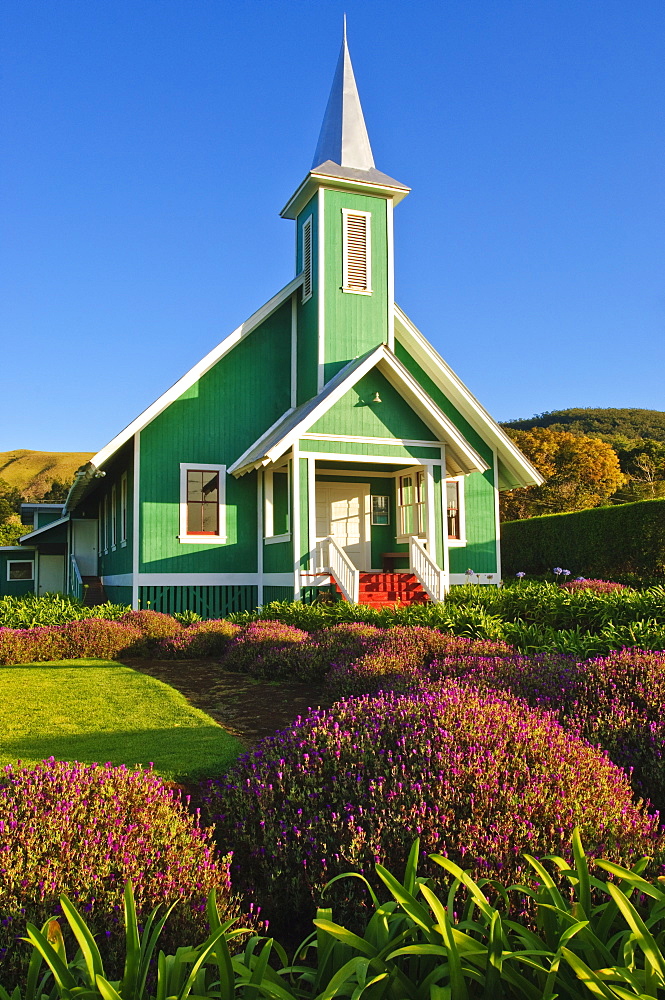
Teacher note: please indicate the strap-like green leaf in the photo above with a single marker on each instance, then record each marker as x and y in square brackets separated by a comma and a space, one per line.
[642, 933]
[86, 942]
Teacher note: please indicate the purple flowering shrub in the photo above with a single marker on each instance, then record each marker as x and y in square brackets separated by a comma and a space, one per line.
[614, 701]
[271, 650]
[597, 586]
[88, 637]
[398, 659]
[153, 624]
[478, 776]
[211, 638]
[84, 830]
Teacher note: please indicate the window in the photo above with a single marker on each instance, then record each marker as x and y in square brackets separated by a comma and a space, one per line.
[356, 262]
[202, 499]
[411, 501]
[453, 508]
[114, 517]
[380, 510]
[277, 520]
[307, 259]
[20, 570]
[123, 509]
[106, 523]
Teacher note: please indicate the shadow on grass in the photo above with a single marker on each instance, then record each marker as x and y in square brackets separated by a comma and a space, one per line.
[179, 753]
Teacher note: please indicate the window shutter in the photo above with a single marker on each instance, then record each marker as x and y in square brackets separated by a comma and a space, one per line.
[356, 252]
[307, 259]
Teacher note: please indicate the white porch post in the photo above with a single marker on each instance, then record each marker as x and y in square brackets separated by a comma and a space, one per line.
[295, 525]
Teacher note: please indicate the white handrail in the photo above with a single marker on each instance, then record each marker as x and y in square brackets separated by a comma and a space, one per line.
[342, 570]
[430, 576]
[75, 580]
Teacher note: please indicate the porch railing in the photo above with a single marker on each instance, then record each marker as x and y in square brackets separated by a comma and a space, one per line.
[335, 561]
[75, 581]
[430, 576]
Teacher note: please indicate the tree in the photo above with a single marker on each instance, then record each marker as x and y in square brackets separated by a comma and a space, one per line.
[579, 472]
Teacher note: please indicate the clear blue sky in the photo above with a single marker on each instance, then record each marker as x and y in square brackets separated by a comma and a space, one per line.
[148, 146]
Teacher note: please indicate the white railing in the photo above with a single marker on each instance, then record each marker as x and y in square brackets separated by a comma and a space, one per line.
[335, 561]
[430, 576]
[75, 581]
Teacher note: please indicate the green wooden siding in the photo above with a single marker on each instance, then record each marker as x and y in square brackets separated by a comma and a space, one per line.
[379, 450]
[356, 414]
[438, 513]
[277, 594]
[307, 351]
[16, 588]
[119, 595]
[209, 602]
[214, 421]
[479, 492]
[353, 323]
[304, 515]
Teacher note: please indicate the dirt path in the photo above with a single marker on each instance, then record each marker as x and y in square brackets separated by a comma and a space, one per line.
[246, 708]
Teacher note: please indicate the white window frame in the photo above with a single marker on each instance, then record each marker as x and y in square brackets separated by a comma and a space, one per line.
[123, 510]
[220, 538]
[346, 212]
[413, 471]
[12, 562]
[114, 517]
[461, 541]
[308, 260]
[268, 524]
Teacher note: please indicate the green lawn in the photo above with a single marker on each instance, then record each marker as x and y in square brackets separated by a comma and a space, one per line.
[97, 710]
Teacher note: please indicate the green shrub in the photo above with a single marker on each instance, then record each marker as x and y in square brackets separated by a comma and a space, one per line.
[210, 638]
[89, 638]
[603, 542]
[52, 609]
[271, 650]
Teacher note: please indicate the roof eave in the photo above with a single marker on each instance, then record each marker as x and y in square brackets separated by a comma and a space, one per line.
[314, 180]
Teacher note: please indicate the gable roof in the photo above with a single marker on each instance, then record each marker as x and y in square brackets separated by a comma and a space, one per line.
[45, 528]
[460, 456]
[86, 473]
[515, 470]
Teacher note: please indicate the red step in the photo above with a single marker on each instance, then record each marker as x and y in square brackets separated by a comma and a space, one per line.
[380, 590]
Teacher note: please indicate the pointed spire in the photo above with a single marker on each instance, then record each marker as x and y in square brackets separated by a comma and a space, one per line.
[343, 138]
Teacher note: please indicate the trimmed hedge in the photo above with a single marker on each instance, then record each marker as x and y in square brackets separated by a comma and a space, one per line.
[602, 542]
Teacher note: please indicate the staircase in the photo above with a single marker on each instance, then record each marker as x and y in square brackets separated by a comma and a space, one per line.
[93, 591]
[378, 590]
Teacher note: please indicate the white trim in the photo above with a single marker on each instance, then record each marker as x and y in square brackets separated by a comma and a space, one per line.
[10, 563]
[259, 536]
[321, 290]
[459, 395]
[295, 521]
[316, 579]
[311, 510]
[307, 266]
[105, 509]
[350, 472]
[220, 537]
[390, 234]
[118, 580]
[114, 517]
[367, 216]
[16, 548]
[430, 523]
[444, 517]
[294, 353]
[277, 539]
[358, 439]
[497, 521]
[457, 543]
[213, 579]
[195, 373]
[136, 513]
[457, 579]
[330, 456]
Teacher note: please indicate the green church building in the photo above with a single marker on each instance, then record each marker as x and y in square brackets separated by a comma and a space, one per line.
[323, 444]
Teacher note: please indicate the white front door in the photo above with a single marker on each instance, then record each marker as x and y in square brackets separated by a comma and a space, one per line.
[51, 575]
[342, 510]
[84, 546]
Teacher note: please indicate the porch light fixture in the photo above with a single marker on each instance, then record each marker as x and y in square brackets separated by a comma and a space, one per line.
[377, 398]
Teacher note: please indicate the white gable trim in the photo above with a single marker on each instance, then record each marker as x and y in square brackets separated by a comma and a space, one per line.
[45, 528]
[195, 373]
[299, 422]
[430, 361]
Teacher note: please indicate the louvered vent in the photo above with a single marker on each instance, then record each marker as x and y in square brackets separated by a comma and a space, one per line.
[307, 259]
[356, 252]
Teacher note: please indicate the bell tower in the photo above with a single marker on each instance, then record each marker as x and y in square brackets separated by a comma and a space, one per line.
[344, 241]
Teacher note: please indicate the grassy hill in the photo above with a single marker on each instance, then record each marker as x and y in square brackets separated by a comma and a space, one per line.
[610, 423]
[32, 472]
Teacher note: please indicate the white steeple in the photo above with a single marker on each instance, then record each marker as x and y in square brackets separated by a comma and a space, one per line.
[343, 138]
